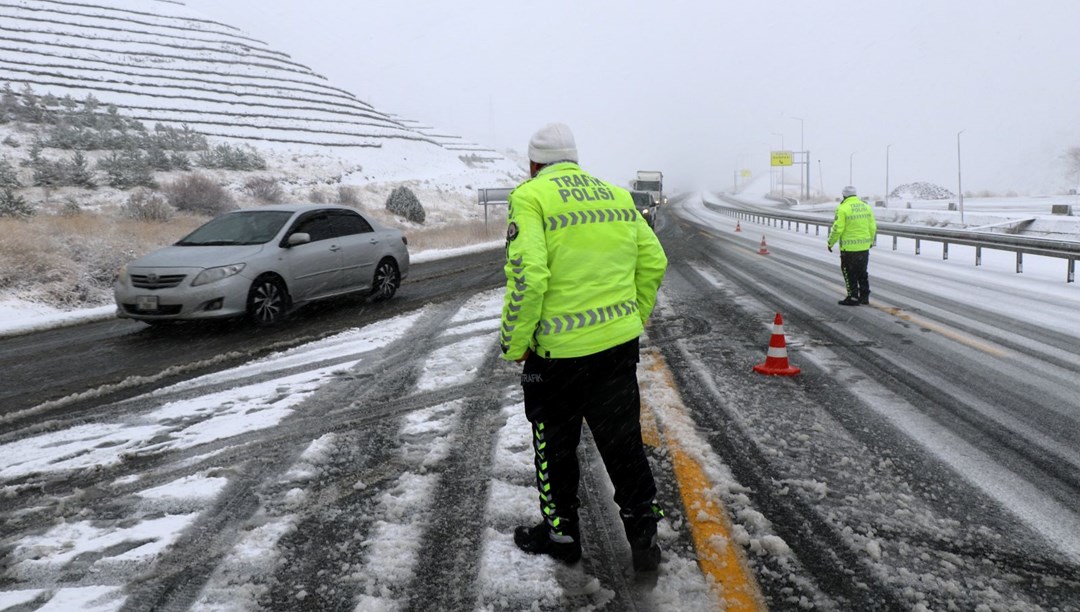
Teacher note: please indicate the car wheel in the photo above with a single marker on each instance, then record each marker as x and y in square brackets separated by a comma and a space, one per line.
[268, 301]
[387, 280]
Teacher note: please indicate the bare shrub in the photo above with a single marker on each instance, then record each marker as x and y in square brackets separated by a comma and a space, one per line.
[71, 261]
[146, 205]
[454, 235]
[71, 207]
[264, 189]
[198, 194]
[348, 196]
[473, 160]
[30, 258]
[316, 196]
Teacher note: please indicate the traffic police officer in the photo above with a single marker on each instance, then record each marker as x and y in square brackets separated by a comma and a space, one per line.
[582, 268]
[854, 228]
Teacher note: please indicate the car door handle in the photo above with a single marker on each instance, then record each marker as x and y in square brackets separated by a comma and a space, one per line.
[334, 247]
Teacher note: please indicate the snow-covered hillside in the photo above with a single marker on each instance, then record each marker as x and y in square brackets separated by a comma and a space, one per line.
[87, 66]
[160, 61]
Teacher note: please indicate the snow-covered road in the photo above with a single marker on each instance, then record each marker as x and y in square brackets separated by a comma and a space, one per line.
[163, 466]
[384, 467]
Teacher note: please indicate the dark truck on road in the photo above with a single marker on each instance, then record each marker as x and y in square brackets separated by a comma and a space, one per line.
[645, 204]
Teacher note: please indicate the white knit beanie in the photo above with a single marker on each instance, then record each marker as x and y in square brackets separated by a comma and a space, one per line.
[848, 191]
[553, 143]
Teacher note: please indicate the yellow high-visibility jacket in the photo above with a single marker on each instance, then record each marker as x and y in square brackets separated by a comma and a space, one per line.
[582, 266]
[854, 225]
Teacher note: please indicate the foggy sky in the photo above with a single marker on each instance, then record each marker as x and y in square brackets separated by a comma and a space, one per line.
[701, 89]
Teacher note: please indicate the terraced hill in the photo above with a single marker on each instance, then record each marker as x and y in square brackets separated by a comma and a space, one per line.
[162, 62]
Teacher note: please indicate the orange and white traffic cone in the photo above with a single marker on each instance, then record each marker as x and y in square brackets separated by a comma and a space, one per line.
[776, 361]
[737, 228]
[763, 250]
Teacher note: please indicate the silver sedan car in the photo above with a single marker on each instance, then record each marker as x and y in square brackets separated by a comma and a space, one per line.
[262, 263]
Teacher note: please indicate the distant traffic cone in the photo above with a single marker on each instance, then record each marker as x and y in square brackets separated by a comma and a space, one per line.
[737, 228]
[763, 250]
[776, 361]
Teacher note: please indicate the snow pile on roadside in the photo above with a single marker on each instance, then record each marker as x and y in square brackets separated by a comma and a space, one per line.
[921, 191]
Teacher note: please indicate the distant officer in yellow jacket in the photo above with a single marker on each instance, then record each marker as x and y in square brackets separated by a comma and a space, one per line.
[583, 269]
[854, 228]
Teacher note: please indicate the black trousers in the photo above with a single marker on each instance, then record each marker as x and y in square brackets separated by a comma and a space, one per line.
[601, 390]
[856, 278]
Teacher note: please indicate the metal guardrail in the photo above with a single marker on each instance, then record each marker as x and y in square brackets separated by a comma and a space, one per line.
[1021, 245]
[492, 196]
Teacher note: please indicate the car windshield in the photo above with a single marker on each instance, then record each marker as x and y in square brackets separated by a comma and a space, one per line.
[244, 227]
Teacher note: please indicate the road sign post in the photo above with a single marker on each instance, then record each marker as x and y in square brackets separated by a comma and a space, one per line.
[782, 159]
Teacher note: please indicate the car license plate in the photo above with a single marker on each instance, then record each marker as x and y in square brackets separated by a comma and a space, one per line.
[146, 302]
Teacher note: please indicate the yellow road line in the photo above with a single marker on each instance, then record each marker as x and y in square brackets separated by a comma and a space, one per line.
[719, 557]
[945, 331]
[650, 435]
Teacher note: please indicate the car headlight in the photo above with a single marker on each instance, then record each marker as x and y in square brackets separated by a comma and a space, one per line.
[213, 275]
[121, 275]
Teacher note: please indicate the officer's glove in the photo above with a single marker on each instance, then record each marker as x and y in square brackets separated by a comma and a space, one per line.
[830, 248]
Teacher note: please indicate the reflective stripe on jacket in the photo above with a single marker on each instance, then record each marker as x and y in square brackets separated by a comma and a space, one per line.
[582, 266]
[854, 225]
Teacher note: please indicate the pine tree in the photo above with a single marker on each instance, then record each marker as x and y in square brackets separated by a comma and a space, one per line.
[158, 158]
[403, 202]
[126, 169]
[78, 172]
[9, 176]
[45, 172]
[14, 205]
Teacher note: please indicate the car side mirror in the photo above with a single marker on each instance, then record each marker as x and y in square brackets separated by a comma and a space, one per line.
[298, 238]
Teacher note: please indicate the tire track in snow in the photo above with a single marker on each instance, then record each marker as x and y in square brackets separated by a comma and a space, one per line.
[180, 574]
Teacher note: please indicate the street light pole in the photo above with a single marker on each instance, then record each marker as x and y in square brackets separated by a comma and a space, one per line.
[959, 182]
[887, 175]
[850, 165]
[804, 186]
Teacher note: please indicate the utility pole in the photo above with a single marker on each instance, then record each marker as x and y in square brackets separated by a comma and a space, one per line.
[850, 166]
[887, 175]
[959, 183]
[804, 186]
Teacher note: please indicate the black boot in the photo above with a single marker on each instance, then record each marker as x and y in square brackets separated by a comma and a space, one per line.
[849, 301]
[864, 297]
[540, 540]
[641, 532]
[645, 550]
